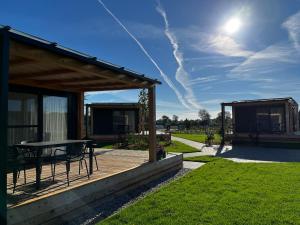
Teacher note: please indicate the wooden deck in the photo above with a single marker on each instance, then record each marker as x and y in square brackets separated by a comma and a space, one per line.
[110, 162]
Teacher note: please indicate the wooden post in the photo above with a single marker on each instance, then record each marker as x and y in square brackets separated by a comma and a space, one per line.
[287, 118]
[233, 119]
[152, 124]
[297, 118]
[222, 123]
[80, 116]
[4, 68]
[86, 121]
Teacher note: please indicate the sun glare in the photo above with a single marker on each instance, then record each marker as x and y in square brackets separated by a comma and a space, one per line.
[232, 25]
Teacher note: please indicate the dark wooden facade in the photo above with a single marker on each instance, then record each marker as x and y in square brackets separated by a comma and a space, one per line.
[105, 121]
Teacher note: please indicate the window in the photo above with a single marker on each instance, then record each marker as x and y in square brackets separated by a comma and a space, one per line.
[277, 120]
[263, 119]
[270, 119]
[22, 117]
[120, 122]
[124, 121]
[55, 116]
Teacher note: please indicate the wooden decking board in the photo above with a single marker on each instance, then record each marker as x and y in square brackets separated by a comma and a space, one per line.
[110, 163]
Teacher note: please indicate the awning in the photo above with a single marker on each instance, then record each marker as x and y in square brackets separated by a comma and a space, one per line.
[39, 63]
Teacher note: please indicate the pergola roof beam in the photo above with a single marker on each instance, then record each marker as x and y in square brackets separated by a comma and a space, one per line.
[25, 76]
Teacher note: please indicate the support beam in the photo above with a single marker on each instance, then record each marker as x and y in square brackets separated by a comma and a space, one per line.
[54, 72]
[80, 118]
[4, 68]
[152, 124]
[32, 83]
[75, 80]
[233, 119]
[20, 61]
[222, 123]
[109, 88]
[297, 118]
[86, 121]
[90, 84]
[287, 118]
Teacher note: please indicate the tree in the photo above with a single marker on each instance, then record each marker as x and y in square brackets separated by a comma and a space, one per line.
[165, 120]
[227, 120]
[175, 120]
[143, 101]
[204, 117]
[187, 124]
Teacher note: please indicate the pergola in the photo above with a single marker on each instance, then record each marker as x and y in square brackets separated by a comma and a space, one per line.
[30, 61]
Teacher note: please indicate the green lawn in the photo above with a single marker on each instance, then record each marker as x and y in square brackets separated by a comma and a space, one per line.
[222, 192]
[177, 146]
[197, 137]
[108, 146]
[204, 158]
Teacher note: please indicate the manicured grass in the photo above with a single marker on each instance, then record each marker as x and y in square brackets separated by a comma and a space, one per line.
[222, 192]
[204, 158]
[107, 146]
[177, 146]
[197, 137]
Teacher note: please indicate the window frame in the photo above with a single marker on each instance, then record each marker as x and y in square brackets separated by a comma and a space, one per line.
[72, 113]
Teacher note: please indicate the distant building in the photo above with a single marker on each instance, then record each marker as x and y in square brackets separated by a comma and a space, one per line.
[264, 120]
[108, 120]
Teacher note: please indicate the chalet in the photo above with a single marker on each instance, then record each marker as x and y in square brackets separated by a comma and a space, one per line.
[42, 87]
[273, 120]
[106, 121]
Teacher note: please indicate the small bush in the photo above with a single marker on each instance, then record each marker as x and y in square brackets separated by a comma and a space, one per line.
[210, 137]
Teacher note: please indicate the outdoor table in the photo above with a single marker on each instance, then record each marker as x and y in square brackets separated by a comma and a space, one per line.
[38, 147]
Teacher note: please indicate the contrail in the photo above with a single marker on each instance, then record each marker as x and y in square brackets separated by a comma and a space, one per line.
[181, 75]
[164, 76]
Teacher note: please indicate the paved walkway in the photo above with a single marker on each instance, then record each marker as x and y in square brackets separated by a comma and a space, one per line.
[259, 154]
[203, 149]
[243, 153]
[192, 165]
[194, 144]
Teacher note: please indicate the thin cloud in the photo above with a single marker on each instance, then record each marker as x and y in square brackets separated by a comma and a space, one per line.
[292, 24]
[145, 31]
[220, 44]
[212, 43]
[164, 76]
[213, 101]
[201, 80]
[168, 105]
[181, 75]
[268, 61]
[273, 59]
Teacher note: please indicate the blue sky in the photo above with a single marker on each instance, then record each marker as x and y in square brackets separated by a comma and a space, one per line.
[182, 43]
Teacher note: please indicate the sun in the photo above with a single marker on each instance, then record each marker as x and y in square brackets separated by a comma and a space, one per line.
[232, 25]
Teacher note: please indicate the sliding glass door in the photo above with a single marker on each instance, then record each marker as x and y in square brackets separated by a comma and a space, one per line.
[55, 118]
[38, 117]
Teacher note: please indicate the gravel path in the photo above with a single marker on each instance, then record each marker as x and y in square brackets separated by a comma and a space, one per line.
[113, 205]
